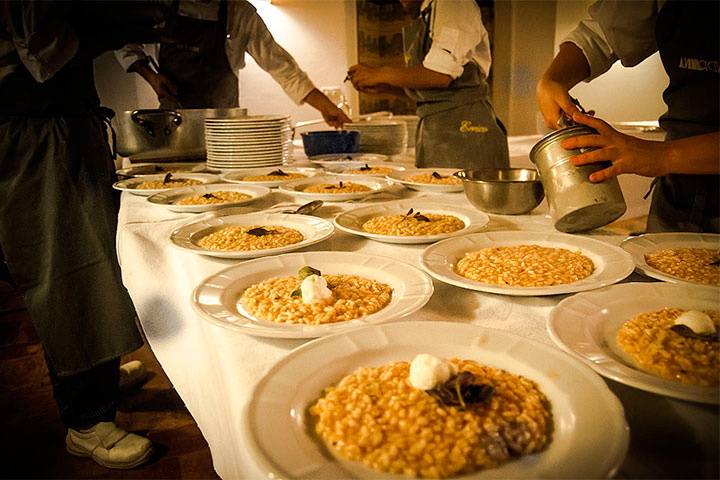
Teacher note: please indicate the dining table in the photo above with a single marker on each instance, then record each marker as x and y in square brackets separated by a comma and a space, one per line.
[214, 370]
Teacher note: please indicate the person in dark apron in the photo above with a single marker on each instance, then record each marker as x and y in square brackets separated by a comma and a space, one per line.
[58, 218]
[687, 185]
[204, 47]
[458, 127]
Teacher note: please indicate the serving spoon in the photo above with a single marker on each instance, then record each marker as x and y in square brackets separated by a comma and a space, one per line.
[306, 209]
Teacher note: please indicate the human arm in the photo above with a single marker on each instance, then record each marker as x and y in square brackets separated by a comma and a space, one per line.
[418, 77]
[693, 155]
[568, 68]
[332, 115]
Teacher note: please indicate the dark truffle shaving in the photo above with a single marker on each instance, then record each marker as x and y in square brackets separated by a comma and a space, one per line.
[461, 390]
[687, 332]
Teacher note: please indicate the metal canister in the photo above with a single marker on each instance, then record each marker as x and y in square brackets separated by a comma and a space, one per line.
[576, 204]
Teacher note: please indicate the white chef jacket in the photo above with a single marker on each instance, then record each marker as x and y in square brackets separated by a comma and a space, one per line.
[246, 33]
[617, 30]
[458, 37]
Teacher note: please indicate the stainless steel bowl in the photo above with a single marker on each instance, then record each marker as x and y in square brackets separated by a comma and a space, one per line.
[507, 191]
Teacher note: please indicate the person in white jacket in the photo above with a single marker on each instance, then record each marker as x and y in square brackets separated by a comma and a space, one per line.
[204, 48]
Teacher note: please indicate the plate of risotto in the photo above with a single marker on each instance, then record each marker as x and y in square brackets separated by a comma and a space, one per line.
[433, 400]
[311, 294]
[436, 180]
[151, 184]
[368, 169]
[657, 337]
[251, 235]
[335, 188]
[688, 258]
[526, 263]
[269, 176]
[411, 221]
[205, 198]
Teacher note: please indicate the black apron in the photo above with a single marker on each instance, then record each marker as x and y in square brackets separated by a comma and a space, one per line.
[196, 61]
[688, 39]
[458, 127]
[58, 217]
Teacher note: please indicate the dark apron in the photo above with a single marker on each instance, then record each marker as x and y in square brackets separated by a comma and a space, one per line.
[58, 217]
[688, 38]
[458, 127]
[196, 61]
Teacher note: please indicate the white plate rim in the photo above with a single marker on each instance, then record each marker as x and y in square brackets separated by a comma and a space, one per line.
[181, 237]
[376, 184]
[474, 219]
[640, 245]
[167, 198]
[123, 185]
[207, 295]
[228, 176]
[579, 310]
[400, 177]
[614, 454]
[435, 263]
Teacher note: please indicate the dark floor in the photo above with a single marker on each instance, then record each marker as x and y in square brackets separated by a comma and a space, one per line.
[32, 440]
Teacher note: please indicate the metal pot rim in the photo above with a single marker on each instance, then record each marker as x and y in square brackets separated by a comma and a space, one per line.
[556, 135]
[462, 175]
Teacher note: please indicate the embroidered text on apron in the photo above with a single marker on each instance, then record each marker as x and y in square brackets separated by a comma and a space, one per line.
[196, 61]
[458, 127]
[688, 39]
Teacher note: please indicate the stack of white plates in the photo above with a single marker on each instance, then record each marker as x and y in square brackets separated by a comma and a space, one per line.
[381, 136]
[247, 142]
[411, 124]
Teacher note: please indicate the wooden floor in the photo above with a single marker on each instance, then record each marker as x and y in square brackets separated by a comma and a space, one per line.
[32, 442]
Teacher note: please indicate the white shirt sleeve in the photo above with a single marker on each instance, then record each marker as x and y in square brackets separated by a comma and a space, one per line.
[270, 56]
[458, 36]
[617, 30]
[129, 54]
[43, 41]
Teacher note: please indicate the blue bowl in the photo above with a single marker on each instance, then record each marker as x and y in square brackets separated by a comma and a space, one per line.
[330, 141]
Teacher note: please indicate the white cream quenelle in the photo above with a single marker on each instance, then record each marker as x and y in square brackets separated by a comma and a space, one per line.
[314, 289]
[428, 371]
[697, 321]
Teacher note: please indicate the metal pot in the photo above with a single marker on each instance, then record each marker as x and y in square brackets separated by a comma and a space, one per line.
[576, 204]
[507, 191]
[153, 134]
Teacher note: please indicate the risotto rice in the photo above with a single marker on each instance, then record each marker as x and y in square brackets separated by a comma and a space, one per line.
[341, 187]
[691, 264]
[653, 347]
[214, 198]
[352, 297]
[525, 266]
[429, 178]
[174, 183]
[405, 225]
[374, 416]
[236, 238]
[271, 178]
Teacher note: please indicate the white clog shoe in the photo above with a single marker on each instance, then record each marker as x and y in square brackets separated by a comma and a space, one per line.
[109, 445]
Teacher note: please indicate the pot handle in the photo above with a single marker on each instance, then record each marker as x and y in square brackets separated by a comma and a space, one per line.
[140, 117]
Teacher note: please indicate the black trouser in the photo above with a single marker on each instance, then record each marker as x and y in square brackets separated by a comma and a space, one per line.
[88, 397]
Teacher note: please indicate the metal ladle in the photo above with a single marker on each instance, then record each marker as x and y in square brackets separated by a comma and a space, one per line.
[306, 209]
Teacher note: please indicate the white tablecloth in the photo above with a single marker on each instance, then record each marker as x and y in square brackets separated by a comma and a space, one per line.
[214, 370]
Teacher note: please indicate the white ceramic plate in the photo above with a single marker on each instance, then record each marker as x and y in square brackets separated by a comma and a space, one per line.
[347, 170]
[216, 298]
[144, 169]
[402, 177]
[130, 184]
[238, 175]
[376, 185]
[313, 229]
[612, 264]
[643, 244]
[353, 220]
[589, 440]
[346, 160]
[169, 198]
[586, 326]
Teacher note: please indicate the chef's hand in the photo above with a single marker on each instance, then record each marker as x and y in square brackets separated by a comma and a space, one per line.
[554, 99]
[627, 154]
[334, 116]
[163, 86]
[366, 79]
